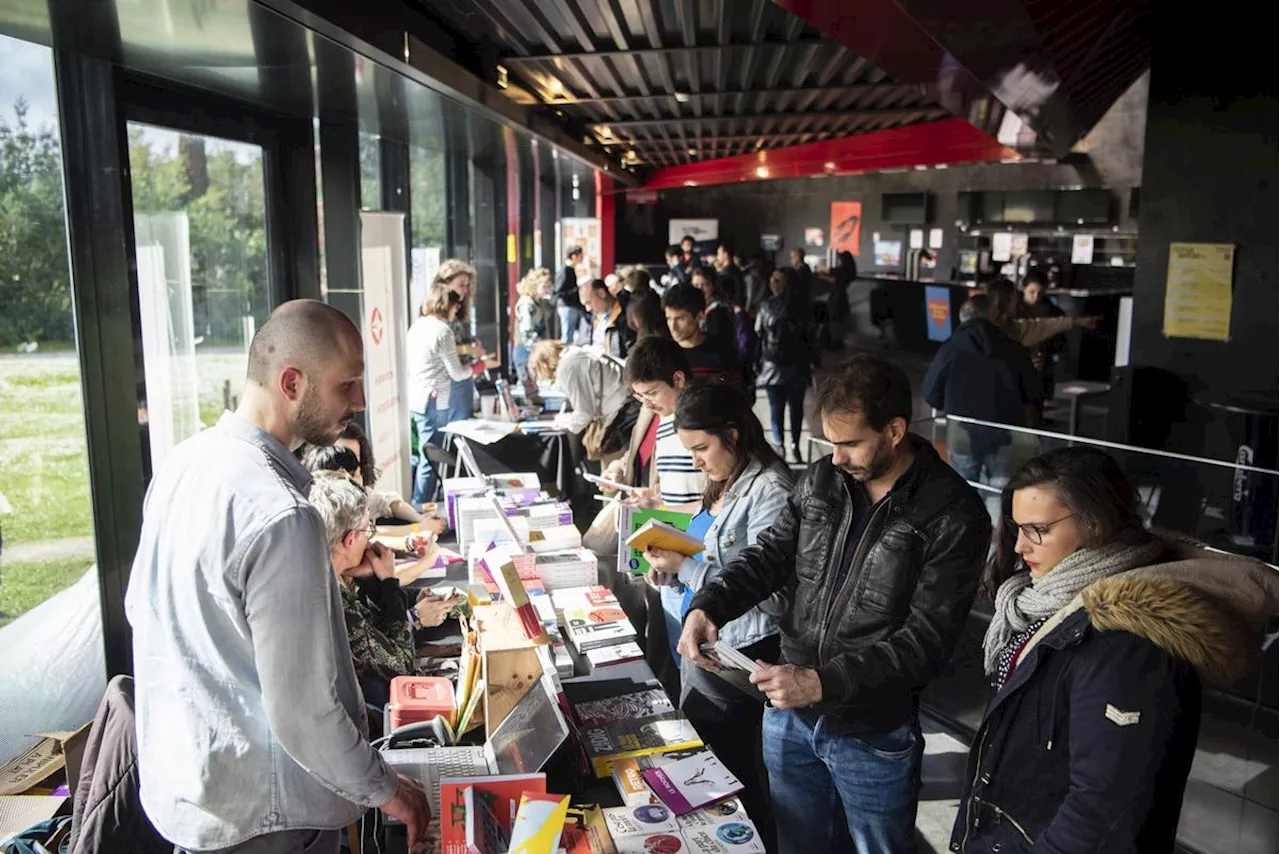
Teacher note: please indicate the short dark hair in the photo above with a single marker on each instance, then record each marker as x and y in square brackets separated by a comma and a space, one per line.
[684, 298]
[872, 386]
[572, 251]
[330, 458]
[1034, 276]
[656, 359]
[725, 246]
[598, 285]
[690, 238]
[674, 249]
[974, 307]
[637, 280]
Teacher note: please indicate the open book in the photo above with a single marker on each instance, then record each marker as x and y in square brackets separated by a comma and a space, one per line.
[658, 534]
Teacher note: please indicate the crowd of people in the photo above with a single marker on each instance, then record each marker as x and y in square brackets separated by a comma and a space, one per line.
[265, 616]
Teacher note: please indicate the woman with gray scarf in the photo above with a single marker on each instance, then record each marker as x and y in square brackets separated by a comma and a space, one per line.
[1101, 637]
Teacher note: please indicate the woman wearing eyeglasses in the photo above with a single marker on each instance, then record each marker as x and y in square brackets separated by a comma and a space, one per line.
[1101, 636]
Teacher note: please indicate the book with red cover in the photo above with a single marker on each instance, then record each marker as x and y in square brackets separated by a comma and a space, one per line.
[502, 791]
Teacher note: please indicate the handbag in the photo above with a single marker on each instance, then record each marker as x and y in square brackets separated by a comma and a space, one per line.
[603, 442]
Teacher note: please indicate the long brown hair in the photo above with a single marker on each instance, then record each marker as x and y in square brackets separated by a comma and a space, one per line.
[451, 269]
[721, 410]
[1093, 488]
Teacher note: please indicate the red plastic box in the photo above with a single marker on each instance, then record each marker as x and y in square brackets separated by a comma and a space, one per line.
[419, 698]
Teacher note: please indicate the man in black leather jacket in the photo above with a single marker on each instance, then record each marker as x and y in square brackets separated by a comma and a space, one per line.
[882, 545]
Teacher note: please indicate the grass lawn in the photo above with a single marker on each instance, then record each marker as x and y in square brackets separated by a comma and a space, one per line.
[25, 585]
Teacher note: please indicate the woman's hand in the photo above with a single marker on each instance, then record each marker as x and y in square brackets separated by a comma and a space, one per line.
[421, 543]
[643, 498]
[434, 609]
[664, 561]
[433, 524]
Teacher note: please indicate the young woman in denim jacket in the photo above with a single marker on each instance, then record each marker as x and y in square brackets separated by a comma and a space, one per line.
[747, 487]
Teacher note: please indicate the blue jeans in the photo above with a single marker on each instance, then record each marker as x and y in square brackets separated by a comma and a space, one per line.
[673, 599]
[425, 476]
[817, 772]
[782, 398]
[571, 318]
[520, 361]
[462, 401]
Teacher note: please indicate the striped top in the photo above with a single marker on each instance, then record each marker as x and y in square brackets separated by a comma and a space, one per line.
[710, 360]
[678, 481]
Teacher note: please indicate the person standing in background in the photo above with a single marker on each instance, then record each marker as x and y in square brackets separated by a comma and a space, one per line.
[842, 277]
[645, 317]
[609, 330]
[245, 742]
[882, 545]
[717, 317]
[755, 280]
[435, 372]
[688, 248]
[460, 277]
[802, 269]
[784, 329]
[1036, 305]
[684, 306]
[677, 273]
[730, 275]
[531, 319]
[568, 305]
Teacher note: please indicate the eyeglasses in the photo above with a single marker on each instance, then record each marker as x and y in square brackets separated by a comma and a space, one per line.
[371, 530]
[1035, 531]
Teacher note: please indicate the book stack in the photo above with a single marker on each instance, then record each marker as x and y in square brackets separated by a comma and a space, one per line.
[661, 733]
[693, 782]
[596, 627]
[620, 653]
[456, 488]
[557, 538]
[586, 596]
[540, 515]
[640, 704]
[722, 828]
[644, 830]
[628, 775]
[539, 574]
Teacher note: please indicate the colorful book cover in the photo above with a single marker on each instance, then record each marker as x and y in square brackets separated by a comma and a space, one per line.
[629, 781]
[694, 782]
[739, 837]
[713, 815]
[643, 820]
[638, 737]
[585, 832]
[640, 704]
[506, 791]
[539, 824]
[654, 843]
[632, 519]
[586, 635]
[485, 833]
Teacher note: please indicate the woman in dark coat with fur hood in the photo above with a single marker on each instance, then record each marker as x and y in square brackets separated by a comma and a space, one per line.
[1101, 637]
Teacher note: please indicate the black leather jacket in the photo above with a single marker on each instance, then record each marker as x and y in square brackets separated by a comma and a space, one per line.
[876, 631]
[784, 329]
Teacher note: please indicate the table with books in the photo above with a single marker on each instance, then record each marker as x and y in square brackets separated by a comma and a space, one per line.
[567, 740]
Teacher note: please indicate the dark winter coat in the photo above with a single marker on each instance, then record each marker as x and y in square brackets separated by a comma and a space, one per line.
[1088, 745]
[982, 372]
[785, 331]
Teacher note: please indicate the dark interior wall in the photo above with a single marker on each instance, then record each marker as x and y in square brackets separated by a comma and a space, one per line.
[1109, 156]
[1210, 177]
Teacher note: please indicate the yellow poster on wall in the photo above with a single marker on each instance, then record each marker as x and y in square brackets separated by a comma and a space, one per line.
[1197, 300]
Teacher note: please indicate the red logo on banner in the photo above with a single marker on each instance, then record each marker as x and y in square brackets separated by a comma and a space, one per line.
[375, 326]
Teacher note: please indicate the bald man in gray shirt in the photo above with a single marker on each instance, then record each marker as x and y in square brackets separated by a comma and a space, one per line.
[251, 727]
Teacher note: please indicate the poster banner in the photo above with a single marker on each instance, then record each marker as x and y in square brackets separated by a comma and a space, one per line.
[846, 227]
[888, 253]
[385, 286]
[813, 237]
[937, 312]
[583, 231]
[701, 230]
[1197, 299]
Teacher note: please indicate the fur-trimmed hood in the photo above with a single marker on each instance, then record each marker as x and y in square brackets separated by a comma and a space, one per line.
[1201, 607]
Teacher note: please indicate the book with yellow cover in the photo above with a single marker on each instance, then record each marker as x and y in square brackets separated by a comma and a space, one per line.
[662, 733]
[659, 535]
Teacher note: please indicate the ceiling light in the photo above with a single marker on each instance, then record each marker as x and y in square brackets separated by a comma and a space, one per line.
[606, 131]
[681, 97]
[691, 183]
[502, 77]
[557, 88]
[920, 167]
[692, 152]
[762, 172]
[939, 166]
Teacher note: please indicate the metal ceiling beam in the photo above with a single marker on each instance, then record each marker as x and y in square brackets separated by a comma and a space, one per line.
[844, 91]
[843, 115]
[750, 140]
[659, 51]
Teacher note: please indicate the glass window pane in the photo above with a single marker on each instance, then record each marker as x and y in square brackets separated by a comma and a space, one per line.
[203, 277]
[52, 668]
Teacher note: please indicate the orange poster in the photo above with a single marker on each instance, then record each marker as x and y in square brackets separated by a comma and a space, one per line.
[846, 227]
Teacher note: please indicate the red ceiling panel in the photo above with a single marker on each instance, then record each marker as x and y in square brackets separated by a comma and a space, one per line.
[950, 141]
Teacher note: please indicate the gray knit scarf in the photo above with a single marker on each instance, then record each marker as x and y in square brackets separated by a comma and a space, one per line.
[1022, 600]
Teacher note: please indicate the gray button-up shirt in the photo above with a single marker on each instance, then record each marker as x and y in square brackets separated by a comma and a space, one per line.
[249, 716]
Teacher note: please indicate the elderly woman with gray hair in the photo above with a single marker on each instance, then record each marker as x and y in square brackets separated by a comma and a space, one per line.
[380, 621]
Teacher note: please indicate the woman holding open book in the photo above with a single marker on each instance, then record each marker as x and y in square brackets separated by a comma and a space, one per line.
[747, 487]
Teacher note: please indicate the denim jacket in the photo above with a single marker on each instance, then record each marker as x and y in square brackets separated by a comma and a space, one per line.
[249, 716]
[750, 505]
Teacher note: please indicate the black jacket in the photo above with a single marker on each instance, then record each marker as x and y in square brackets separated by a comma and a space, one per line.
[107, 815]
[1088, 746]
[567, 287]
[734, 284]
[786, 342]
[876, 631]
[981, 372]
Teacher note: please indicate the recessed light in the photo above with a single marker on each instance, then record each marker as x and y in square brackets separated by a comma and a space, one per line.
[939, 166]
[692, 152]
[920, 167]
[681, 97]
[557, 88]
[691, 183]
[762, 172]
[829, 166]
